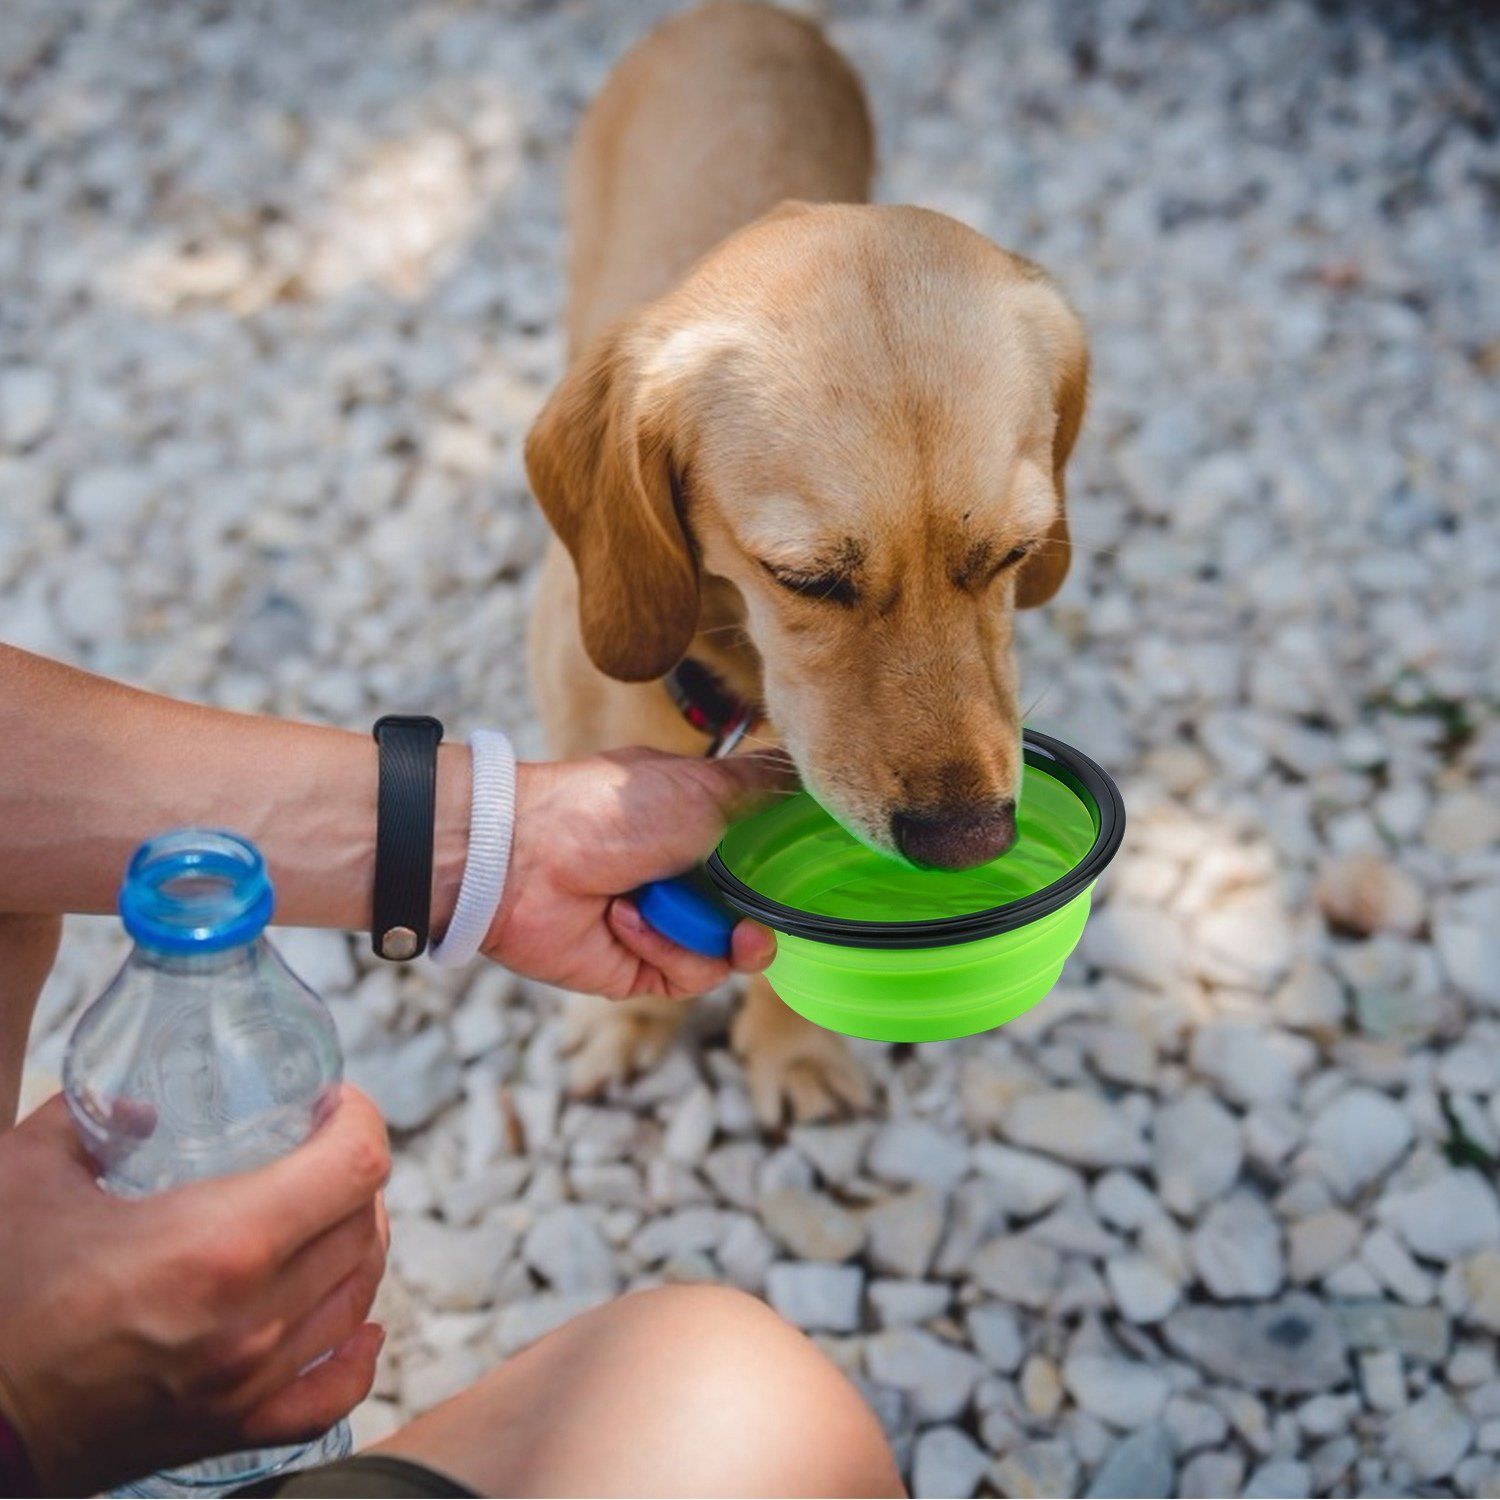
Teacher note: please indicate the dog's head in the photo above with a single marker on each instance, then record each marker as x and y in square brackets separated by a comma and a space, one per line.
[857, 418]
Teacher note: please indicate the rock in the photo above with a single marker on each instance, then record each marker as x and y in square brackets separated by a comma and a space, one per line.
[900, 1302]
[1365, 893]
[1430, 1435]
[912, 1152]
[108, 499]
[1018, 1269]
[91, 605]
[1277, 1478]
[522, 1323]
[1447, 1217]
[453, 1268]
[835, 1150]
[1078, 1126]
[1465, 821]
[1316, 1244]
[28, 404]
[1122, 1392]
[1123, 1200]
[1194, 1424]
[1356, 1138]
[1237, 1249]
[995, 1332]
[938, 1376]
[1136, 941]
[1243, 939]
[816, 1297]
[1041, 1387]
[691, 1130]
[947, 1462]
[1481, 1281]
[1036, 1471]
[566, 1247]
[1249, 1065]
[1382, 1379]
[318, 956]
[746, 1254]
[1143, 1292]
[1420, 1333]
[810, 1225]
[411, 1080]
[1310, 999]
[1141, 1465]
[1026, 1185]
[1211, 1476]
[904, 1232]
[1291, 1346]
[1466, 934]
[1196, 1151]
[1386, 1258]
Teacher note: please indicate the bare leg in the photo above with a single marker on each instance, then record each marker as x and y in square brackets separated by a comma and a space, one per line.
[28, 945]
[689, 1390]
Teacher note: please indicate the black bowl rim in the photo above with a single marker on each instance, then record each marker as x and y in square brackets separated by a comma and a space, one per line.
[1087, 779]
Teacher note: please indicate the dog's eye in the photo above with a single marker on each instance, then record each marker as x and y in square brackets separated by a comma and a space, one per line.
[1010, 559]
[834, 588]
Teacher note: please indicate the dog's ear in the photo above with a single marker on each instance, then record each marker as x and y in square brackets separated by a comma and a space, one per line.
[1042, 573]
[600, 458]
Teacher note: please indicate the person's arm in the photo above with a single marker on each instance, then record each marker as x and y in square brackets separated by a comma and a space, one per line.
[90, 769]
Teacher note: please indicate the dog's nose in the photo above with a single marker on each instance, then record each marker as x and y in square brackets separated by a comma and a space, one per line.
[956, 839]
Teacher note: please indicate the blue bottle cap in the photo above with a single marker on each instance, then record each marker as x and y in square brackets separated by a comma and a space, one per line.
[196, 890]
[691, 917]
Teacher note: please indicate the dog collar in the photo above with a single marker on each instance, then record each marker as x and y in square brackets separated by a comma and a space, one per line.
[704, 701]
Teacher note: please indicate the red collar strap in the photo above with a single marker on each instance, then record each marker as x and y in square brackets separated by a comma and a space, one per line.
[17, 1477]
[709, 706]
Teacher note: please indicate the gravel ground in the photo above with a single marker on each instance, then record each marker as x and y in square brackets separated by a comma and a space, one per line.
[281, 292]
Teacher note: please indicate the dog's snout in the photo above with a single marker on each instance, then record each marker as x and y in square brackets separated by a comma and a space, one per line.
[955, 839]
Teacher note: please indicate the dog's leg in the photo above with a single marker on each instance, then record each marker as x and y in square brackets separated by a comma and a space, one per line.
[793, 1068]
[611, 1040]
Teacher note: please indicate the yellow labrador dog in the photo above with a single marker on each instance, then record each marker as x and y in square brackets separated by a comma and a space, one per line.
[810, 447]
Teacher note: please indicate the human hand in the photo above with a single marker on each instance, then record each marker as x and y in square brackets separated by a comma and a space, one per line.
[142, 1332]
[587, 833]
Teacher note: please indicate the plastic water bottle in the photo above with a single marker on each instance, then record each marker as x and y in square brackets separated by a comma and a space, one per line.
[205, 1055]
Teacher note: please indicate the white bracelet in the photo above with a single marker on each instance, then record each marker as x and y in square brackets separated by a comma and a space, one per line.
[492, 821]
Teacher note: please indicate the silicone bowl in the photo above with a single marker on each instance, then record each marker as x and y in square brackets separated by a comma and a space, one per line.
[871, 947]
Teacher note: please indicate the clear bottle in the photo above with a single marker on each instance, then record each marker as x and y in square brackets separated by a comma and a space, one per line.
[205, 1055]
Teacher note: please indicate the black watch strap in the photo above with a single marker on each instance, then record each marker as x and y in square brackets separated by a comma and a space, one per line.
[405, 810]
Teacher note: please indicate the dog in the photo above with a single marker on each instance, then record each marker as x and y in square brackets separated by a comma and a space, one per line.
[807, 456]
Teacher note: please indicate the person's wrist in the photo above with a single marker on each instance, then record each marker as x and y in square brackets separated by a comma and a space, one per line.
[450, 832]
[534, 780]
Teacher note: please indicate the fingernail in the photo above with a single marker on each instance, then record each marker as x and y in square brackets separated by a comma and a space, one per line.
[628, 917]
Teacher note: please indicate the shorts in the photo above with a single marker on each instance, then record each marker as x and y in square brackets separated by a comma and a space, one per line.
[379, 1476]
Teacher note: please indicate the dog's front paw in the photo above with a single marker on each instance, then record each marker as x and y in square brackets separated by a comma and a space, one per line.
[794, 1069]
[609, 1041]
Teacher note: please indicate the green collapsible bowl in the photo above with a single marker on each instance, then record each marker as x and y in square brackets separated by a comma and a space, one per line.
[871, 947]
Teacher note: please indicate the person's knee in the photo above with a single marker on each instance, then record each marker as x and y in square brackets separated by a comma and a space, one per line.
[771, 1408]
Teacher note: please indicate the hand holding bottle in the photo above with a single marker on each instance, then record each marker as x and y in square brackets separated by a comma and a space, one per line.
[136, 1333]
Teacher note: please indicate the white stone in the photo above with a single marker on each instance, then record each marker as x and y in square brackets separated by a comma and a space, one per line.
[1123, 1200]
[28, 404]
[318, 956]
[904, 1231]
[912, 1152]
[1034, 1471]
[939, 1377]
[900, 1302]
[691, 1130]
[108, 499]
[453, 1268]
[409, 1080]
[1077, 1125]
[1018, 1269]
[1196, 1150]
[1430, 1435]
[1278, 1478]
[1382, 1379]
[1123, 1392]
[816, 1297]
[1391, 1264]
[1449, 1216]
[1026, 1184]
[1318, 1243]
[1137, 942]
[811, 1225]
[1357, 1138]
[1466, 934]
[947, 1462]
[1142, 1290]
[1245, 938]
[1365, 893]
[1211, 1476]
[1194, 1424]
[995, 1332]
[1237, 1249]
[835, 1150]
[1142, 1465]
[566, 1247]
[1249, 1065]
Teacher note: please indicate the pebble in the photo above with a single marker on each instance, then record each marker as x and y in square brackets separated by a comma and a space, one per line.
[1017, 1269]
[1194, 1424]
[816, 1297]
[28, 404]
[690, 1131]
[1420, 1333]
[1318, 1243]
[1290, 1346]
[898, 1302]
[811, 1225]
[318, 956]
[1248, 1065]
[912, 1152]
[1430, 1435]
[938, 1376]
[567, 1249]
[411, 1080]
[1078, 1126]
[995, 1332]
[1357, 1138]
[1382, 1379]
[1122, 1392]
[1449, 1216]
[1135, 941]
[1196, 1151]
[947, 1462]
[1466, 934]
[1277, 1478]
[1365, 893]
[904, 1231]
[1036, 1471]
[1026, 1184]
[1237, 1249]
[453, 1268]
[835, 1150]
[1211, 1476]
[1142, 1465]
[1041, 1387]
[1142, 1290]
